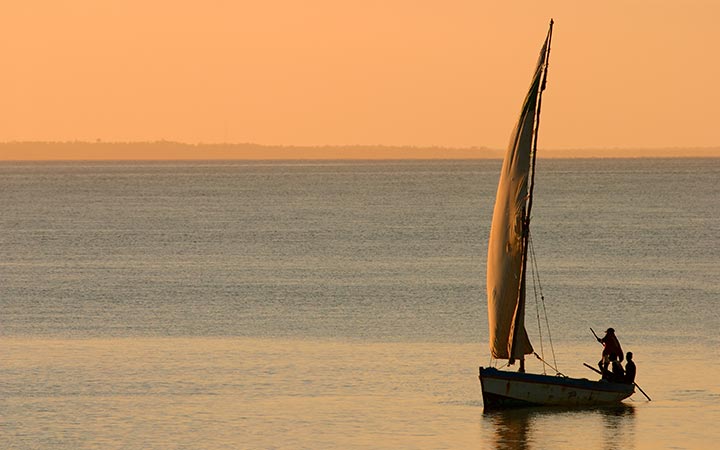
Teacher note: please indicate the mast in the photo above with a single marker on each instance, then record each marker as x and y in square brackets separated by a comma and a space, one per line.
[520, 311]
[537, 126]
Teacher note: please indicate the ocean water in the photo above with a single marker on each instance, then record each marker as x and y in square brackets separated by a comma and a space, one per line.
[342, 304]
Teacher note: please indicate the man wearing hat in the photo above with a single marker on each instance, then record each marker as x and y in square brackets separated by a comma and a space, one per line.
[611, 346]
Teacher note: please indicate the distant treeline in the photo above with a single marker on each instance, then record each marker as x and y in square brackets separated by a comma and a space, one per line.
[164, 150]
[169, 150]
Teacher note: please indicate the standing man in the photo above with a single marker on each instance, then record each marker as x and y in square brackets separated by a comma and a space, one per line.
[611, 346]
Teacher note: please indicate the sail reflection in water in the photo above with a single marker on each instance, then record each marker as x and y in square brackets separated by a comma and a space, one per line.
[525, 428]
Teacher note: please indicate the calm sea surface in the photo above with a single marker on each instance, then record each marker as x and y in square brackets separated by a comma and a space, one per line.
[342, 304]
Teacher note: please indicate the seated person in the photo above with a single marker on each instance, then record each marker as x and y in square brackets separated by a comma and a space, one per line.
[630, 369]
[617, 375]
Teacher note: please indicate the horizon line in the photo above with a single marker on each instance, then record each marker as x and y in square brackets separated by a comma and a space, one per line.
[165, 150]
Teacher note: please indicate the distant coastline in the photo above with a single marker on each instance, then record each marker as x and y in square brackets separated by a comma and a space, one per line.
[168, 150]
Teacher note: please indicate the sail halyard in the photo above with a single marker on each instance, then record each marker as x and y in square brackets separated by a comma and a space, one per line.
[507, 247]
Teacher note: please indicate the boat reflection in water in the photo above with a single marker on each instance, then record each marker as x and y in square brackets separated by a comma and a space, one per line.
[611, 428]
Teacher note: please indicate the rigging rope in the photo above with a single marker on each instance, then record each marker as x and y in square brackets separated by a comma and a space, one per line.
[536, 274]
[557, 372]
[537, 310]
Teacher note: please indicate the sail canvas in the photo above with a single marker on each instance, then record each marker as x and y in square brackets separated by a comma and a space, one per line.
[505, 286]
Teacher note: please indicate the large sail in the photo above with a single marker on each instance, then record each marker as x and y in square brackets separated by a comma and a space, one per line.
[506, 248]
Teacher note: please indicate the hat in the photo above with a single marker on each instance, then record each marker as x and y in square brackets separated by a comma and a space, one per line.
[610, 330]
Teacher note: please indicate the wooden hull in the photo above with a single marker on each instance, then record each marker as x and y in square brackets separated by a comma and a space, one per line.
[502, 389]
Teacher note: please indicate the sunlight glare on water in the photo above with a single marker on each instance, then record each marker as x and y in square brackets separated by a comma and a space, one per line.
[260, 393]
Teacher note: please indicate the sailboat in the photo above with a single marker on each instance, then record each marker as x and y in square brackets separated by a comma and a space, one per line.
[506, 278]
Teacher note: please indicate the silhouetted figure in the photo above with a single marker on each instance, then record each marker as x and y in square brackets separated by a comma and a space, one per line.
[630, 369]
[611, 346]
[616, 374]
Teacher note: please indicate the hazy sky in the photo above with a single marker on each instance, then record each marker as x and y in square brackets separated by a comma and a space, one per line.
[623, 73]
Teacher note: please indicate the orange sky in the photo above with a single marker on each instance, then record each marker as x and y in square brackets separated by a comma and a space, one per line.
[624, 73]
